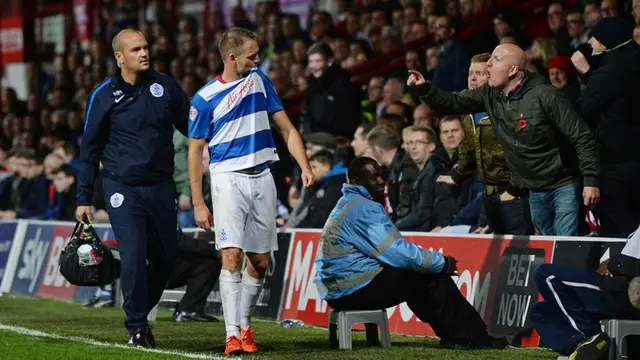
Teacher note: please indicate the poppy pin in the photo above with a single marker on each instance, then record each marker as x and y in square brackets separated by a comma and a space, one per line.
[522, 122]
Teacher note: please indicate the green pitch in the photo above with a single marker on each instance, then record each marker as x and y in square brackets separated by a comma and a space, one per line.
[33, 328]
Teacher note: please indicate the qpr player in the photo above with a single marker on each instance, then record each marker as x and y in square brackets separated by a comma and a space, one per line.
[231, 116]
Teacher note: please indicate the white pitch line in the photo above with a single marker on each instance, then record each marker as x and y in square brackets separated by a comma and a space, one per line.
[41, 334]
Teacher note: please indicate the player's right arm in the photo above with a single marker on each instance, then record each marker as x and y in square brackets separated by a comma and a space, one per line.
[91, 147]
[200, 115]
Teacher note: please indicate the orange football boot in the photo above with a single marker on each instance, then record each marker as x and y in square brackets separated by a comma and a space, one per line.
[233, 346]
[248, 343]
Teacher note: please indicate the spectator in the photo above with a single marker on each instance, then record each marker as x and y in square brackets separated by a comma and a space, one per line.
[421, 145]
[372, 107]
[385, 146]
[332, 103]
[636, 11]
[319, 202]
[406, 137]
[547, 165]
[448, 199]
[423, 115]
[576, 28]
[359, 142]
[563, 76]
[609, 8]
[62, 203]
[557, 20]
[432, 61]
[181, 179]
[609, 102]
[32, 202]
[591, 14]
[453, 62]
[392, 91]
[636, 34]
[313, 143]
[506, 206]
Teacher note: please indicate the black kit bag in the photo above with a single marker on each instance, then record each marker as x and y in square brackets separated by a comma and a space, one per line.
[102, 273]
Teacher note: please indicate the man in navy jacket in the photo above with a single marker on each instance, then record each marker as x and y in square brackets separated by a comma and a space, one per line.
[129, 127]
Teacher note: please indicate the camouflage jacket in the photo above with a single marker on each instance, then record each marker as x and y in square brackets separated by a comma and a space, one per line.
[481, 151]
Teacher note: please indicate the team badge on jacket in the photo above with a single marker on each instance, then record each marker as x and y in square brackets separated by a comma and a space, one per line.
[156, 90]
[116, 200]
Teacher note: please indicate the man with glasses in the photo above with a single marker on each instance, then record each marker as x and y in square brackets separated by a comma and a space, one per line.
[422, 143]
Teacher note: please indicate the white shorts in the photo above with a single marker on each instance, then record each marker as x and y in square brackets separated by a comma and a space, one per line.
[244, 211]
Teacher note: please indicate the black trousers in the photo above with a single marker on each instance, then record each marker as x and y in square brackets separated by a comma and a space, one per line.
[199, 274]
[619, 208]
[511, 217]
[435, 299]
[144, 221]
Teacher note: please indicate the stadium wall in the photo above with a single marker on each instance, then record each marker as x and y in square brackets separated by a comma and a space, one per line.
[495, 272]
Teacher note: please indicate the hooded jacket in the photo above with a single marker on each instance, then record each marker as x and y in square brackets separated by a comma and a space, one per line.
[609, 103]
[332, 104]
[546, 143]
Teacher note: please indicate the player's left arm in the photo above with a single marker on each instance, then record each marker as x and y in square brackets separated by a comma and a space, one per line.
[294, 142]
[289, 133]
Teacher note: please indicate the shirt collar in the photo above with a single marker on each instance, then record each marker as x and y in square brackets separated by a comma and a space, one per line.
[516, 89]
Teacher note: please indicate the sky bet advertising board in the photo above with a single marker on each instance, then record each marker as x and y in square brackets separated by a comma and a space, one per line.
[37, 273]
[7, 230]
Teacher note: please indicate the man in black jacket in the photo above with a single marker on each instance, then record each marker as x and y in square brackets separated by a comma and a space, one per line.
[332, 103]
[423, 142]
[548, 147]
[575, 300]
[129, 127]
[609, 103]
[322, 198]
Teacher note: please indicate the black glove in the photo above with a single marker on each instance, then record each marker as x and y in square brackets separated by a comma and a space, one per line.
[450, 265]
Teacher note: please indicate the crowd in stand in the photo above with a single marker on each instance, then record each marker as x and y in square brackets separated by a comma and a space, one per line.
[383, 119]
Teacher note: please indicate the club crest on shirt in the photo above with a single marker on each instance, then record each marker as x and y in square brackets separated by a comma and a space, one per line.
[156, 90]
[223, 235]
[193, 113]
[116, 200]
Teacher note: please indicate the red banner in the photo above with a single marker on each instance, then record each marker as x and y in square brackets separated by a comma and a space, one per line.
[480, 261]
[11, 40]
[82, 20]
[52, 283]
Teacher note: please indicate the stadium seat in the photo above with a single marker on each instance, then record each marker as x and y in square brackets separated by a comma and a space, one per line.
[341, 323]
[617, 331]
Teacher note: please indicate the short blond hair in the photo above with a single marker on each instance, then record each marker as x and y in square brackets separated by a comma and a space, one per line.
[232, 40]
[481, 58]
[384, 137]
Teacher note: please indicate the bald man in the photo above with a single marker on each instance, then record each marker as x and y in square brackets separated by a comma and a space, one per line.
[129, 127]
[540, 133]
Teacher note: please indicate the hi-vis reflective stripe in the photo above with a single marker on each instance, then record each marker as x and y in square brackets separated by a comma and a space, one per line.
[341, 284]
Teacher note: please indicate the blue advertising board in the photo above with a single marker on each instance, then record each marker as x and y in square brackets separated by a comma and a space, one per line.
[32, 257]
[7, 231]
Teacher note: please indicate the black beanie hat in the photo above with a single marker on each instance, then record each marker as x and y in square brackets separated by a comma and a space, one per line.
[612, 31]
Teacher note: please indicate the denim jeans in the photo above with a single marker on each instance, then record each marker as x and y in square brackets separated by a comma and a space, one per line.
[556, 211]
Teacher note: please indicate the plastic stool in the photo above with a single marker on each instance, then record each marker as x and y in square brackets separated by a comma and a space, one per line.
[341, 323]
[617, 331]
